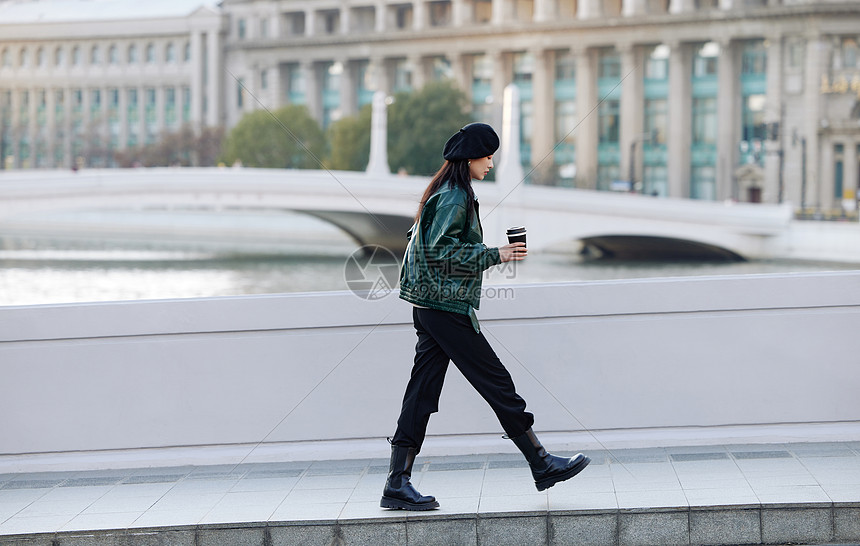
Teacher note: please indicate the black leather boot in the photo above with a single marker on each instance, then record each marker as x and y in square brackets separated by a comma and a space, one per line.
[398, 492]
[547, 469]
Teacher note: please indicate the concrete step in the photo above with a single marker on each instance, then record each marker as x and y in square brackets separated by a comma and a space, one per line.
[749, 494]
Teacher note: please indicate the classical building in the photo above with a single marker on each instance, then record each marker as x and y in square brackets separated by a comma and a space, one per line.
[80, 80]
[710, 99]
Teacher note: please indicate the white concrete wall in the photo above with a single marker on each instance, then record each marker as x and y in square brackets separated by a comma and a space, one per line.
[688, 360]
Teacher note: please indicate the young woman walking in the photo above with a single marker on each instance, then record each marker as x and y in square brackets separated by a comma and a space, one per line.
[441, 278]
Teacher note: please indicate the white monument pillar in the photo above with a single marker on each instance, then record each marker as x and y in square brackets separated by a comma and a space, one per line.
[377, 165]
[509, 169]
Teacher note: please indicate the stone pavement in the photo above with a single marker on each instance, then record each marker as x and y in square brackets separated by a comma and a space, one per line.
[734, 494]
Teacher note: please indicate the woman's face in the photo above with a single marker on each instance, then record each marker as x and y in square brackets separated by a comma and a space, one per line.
[479, 168]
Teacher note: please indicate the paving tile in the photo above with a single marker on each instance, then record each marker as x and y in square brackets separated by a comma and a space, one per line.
[319, 496]
[456, 505]
[328, 482]
[721, 497]
[238, 514]
[565, 500]
[651, 499]
[792, 494]
[268, 484]
[40, 524]
[94, 522]
[300, 511]
[514, 503]
[111, 504]
[173, 517]
[53, 508]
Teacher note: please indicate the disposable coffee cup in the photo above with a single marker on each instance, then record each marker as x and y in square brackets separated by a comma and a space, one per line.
[516, 235]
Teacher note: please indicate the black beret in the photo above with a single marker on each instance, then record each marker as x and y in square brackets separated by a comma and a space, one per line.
[471, 142]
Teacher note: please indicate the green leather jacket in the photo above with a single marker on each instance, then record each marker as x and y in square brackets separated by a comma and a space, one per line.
[445, 258]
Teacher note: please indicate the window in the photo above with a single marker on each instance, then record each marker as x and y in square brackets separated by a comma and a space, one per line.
[565, 66]
[657, 64]
[170, 53]
[796, 53]
[40, 57]
[186, 56]
[706, 59]
[95, 55]
[113, 55]
[24, 58]
[656, 121]
[264, 79]
[608, 122]
[610, 66]
[7, 57]
[264, 28]
[442, 69]
[838, 170]
[240, 93]
[59, 56]
[523, 67]
[705, 121]
[846, 54]
[440, 13]
[132, 54]
[240, 29]
[754, 58]
[150, 53]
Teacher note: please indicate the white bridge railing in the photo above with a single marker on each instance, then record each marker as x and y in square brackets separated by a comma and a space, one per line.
[636, 362]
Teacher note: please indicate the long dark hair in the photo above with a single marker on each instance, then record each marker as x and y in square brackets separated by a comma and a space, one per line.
[454, 173]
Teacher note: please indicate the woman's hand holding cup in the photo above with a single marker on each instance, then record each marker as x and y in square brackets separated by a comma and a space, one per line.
[513, 252]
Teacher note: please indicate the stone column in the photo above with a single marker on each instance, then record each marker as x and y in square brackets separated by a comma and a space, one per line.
[458, 13]
[418, 71]
[67, 126]
[499, 12]
[159, 109]
[276, 88]
[544, 10]
[310, 22]
[380, 17]
[586, 111]
[680, 127]
[348, 94]
[419, 14]
[543, 139]
[682, 6]
[313, 97]
[589, 9]
[500, 80]
[773, 114]
[213, 86]
[817, 56]
[460, 68]
[197, 89]
[728, 121]
[33, 129]
[50, 125]
[630, 110]
[123, 118]
[379, 70]
[630, 8]
[345, 19]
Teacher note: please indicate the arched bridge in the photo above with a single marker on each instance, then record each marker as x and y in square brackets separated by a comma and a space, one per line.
[379, 209]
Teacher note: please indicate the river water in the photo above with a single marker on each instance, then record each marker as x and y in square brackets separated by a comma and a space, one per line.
[44, 276]
[50, 273]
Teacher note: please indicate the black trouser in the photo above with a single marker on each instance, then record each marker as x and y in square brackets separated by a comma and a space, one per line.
[444, 337]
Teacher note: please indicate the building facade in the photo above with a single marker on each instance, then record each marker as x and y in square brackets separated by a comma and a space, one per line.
[747, 100]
